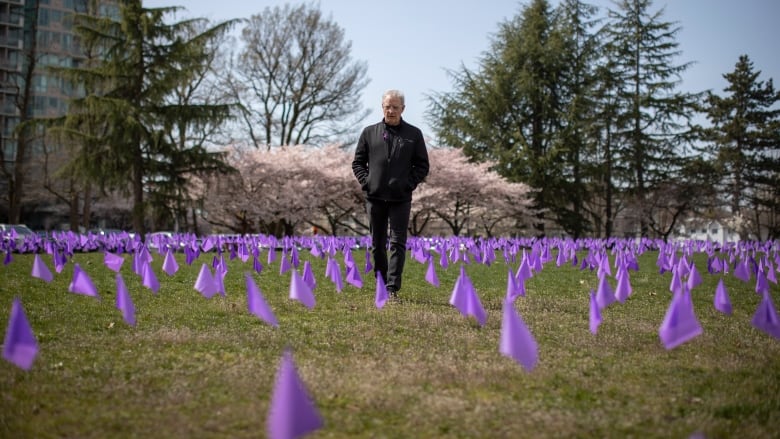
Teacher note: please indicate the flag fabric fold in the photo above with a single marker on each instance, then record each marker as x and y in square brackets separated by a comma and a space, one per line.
[170, 266]
[123, 301]
[517, 342]
[765, 317]
[256, 304]
[19, 346]
[81, 283]
[464, 298]
[292, 412]
[381, 292]
[206, 284]
[300, 291]
[595, 313]
[40, 270]
[680, 324]
[721, 300]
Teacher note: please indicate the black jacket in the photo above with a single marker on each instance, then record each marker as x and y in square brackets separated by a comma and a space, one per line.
[390, 161]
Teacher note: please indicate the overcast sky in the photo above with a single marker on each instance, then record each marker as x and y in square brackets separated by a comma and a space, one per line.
[410, 44]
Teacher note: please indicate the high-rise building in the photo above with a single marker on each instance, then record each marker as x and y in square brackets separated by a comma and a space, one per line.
[34, 35]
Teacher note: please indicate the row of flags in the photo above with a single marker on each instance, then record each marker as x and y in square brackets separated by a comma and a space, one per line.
[293, 413]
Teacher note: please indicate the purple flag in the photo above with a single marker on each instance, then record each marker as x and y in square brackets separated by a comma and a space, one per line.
[524, 271]
[257, 304]
[40, 270]
[604, 294]
[369, 267]
[517, 342]
[291, 413]
[113, 262]
[353, 276]
[206, 284]
[170, 266]
[308, 276]
[149, 279]
[742, 271]
[381, 291]
[623, 288]
[430, 275]
[762, 286]
[694, 278]
[721, 301]
[81, 283]
[300, 291]
[680, 323]
[765, 317]
[464, 298]
[512, 292]
[256, 265]
[284, 265]
[595, 313]
[19, 346]
[123, 301]
[333, 272]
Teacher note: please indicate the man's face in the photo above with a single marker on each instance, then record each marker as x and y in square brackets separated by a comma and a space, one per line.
[392, 109]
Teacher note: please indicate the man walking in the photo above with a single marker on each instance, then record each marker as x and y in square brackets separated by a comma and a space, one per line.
[390, 161]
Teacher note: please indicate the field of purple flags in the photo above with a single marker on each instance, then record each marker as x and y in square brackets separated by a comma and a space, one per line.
[347, 262]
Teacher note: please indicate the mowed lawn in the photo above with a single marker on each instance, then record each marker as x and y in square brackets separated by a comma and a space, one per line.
[200, 368]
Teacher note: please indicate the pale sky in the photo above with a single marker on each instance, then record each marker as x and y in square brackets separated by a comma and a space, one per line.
[410, 44]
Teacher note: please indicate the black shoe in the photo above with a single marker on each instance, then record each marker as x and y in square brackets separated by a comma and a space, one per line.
[392, 294]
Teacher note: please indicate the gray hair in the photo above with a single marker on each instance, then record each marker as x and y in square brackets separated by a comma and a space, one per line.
[394, 94]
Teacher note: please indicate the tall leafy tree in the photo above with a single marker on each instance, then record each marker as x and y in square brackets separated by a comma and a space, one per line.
[654, 114]
[744, 141]
[510, 109]
[575, 22]
[124, 120]
[295, 78]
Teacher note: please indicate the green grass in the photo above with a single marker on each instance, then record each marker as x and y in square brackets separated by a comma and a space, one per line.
[196, 367]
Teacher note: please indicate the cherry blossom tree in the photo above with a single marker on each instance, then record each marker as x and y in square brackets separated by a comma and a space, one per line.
[283, 191]
[468, 196]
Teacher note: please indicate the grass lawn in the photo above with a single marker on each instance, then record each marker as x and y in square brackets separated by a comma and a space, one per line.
[196, 367]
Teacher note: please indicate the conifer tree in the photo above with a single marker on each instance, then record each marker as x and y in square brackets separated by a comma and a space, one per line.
[123, 122]
[744, 141]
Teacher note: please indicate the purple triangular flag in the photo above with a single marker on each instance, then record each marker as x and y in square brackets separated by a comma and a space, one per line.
[284, 265]
[721, 300]
[149, 279]
[623, 288]
[333, 272]
[381, 291]
[741, 271]
[353, 276]
[430, 275]
[123, 301]
[308, 276]
[300, 291]
[762, 286]
[81, 283]
[680, 323]
[291, 413]
[517, 342]
[19, 346]
[206, 284]
[256, 304]
[604, 294]
[170, 266]
[694, 278]
[595, 313]
[369, 267]
[765, 317]
[464, 298]
[113, 262]
[40, 270]
[256, 265]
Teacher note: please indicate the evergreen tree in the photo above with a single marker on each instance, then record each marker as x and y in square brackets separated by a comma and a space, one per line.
[744, 141]
[652, 123]
[509, 111]
[124, 120]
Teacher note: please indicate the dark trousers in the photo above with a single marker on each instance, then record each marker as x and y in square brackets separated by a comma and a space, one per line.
[395, 215]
